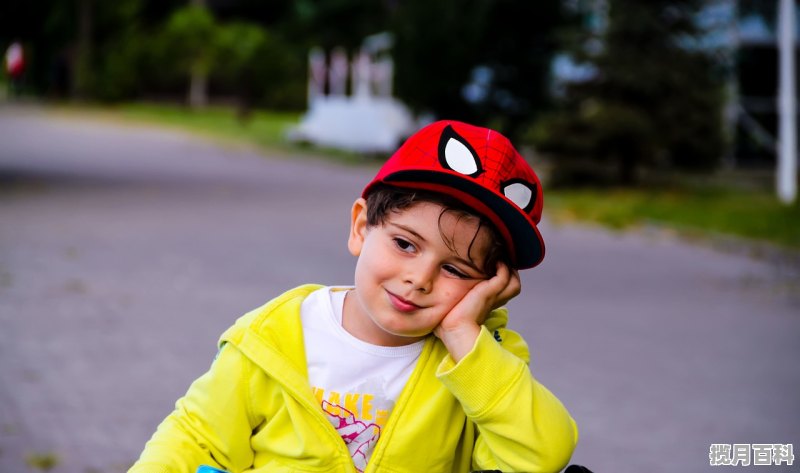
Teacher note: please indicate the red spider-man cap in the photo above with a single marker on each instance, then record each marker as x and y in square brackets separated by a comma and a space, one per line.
[481, 168]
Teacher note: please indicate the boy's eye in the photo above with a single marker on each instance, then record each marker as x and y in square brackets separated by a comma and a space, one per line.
[455, 272]
[404, 245]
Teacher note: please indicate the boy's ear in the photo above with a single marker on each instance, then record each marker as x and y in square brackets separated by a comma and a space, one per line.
[358, 226]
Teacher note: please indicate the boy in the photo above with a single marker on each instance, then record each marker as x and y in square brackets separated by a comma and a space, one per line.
[410, 370]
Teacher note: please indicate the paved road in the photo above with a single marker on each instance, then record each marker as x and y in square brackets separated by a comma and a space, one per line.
[125, 251]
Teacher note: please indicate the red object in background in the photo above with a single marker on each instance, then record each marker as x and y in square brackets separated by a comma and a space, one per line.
[15, 60]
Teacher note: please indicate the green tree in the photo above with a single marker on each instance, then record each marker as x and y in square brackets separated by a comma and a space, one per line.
[485, 61]
[435, 52]
[117, 68]
[333, 23]
[45, 28]
[260, 68]
[85, 48]
[240, 44]
[654, 99]
[192, 35]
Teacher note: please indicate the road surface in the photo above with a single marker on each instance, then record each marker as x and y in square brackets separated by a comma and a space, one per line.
[126, 250]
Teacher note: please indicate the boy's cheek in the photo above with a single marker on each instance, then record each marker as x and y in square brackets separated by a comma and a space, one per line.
[471, 285]
[456, 294]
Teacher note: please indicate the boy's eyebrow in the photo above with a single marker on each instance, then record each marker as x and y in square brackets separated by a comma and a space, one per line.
[459, 258]
[408, 229]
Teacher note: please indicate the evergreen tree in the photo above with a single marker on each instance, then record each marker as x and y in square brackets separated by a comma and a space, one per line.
[653, 99]
[485, 61]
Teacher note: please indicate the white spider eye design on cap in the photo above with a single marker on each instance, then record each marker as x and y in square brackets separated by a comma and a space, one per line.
[456, 154]
[521, 193]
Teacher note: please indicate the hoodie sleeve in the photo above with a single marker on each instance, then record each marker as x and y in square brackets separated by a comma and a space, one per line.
[211, 424]
[521, 425]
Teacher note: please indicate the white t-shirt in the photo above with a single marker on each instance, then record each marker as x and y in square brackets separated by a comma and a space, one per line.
[356, 383]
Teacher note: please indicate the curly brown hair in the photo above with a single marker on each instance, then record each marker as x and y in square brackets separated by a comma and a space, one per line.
[383, 200]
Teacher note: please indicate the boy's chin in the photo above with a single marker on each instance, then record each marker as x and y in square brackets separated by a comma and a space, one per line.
[408, 337]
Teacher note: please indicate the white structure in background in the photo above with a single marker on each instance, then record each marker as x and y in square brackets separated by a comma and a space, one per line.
[337, 75]
[316, 74]
[787, 105]
[370, 119]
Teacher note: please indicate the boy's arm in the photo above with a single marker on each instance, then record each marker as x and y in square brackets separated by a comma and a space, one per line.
[521, 425]
[211, 424]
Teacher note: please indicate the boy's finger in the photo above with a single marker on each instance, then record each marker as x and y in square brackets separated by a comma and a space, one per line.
[514, 286]
[497, 284]
[515, 280]
[502, 287]
[502, 273]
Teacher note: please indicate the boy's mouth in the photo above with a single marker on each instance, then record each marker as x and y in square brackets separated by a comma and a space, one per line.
[400, 304]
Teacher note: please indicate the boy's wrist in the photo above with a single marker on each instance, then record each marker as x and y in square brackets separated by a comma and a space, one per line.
[459, 340]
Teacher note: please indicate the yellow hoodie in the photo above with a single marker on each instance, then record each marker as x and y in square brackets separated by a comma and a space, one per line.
[254, 410]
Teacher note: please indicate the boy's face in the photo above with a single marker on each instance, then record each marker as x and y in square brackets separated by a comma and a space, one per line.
[408, 277]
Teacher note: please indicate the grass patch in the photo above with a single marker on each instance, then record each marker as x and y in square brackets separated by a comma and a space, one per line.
[263, 129]
[42, 461]
[749, 213]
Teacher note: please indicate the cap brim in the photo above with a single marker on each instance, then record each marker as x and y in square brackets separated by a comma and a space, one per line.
[527, 245]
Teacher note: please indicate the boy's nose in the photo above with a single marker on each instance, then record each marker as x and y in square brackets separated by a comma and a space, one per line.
[421, 276]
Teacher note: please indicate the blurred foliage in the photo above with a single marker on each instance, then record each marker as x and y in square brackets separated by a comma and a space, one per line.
[702, 211]
[654, 100]
[134, 49]
[260, 68]
[345, 23]
[263, 129]
[193, 32]
[146, 49]
[498, 49]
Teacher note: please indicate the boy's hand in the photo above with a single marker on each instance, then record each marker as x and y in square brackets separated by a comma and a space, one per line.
[460, 327]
